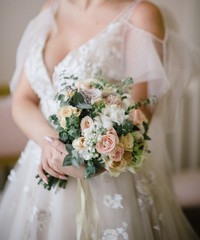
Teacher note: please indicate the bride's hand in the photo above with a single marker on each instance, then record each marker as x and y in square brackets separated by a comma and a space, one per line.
[52, 161]
[48, 156]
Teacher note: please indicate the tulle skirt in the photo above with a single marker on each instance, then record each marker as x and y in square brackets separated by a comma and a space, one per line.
[132, 206]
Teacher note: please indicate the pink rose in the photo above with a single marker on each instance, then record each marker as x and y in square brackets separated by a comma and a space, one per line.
[113, 131]
[136, 116]
[111, 100]
[117, 153]
[107, 144]
[93, 94]
[86, 122]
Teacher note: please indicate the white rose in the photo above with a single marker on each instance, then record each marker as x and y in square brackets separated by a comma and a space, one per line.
[115, 113]
[106, 121]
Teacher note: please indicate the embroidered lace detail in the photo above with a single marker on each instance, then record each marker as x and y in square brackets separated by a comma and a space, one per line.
[116, 234]
[113, 202]
[146, 202]
[38, 222]
[144, 187]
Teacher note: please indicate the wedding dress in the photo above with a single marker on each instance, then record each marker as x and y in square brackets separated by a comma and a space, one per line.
[132, 206]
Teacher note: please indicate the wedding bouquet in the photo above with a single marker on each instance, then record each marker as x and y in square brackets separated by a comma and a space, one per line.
[100, 126]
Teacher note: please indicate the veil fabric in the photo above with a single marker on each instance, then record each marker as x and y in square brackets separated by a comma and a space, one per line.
[43, 23]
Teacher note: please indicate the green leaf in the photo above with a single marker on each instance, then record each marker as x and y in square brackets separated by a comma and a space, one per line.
[69, 148]
[78, 98]
[63, 136]
[67, 160]
[89, 171]
[75, 162]
[146, 137]
[76, 155]
[83, 105]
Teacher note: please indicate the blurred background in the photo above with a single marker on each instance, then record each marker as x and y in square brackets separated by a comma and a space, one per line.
[184, 144]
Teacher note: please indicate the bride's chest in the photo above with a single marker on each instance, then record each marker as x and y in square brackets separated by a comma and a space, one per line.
[103, 52]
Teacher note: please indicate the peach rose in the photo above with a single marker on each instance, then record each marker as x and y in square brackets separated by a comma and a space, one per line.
[136, 116]
[79, 144]
[107, 144]
[117, 153]
[93, 94]
[111, 100]
[115, 168]
[127, 141]
[86, 122]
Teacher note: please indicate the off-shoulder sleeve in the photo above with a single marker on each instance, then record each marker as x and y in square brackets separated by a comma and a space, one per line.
[143, 60]
[168, 66]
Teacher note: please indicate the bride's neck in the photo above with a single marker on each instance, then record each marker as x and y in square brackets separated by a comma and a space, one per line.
[84, 4]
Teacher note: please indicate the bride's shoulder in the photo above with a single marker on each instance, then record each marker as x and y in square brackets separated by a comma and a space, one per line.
[46, 5]
[148, 17]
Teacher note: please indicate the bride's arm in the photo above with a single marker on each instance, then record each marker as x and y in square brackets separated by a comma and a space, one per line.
[29, 118]
[27, 114]
[148, 17]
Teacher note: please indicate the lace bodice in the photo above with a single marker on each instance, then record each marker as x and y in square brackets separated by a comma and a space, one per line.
[103, 52]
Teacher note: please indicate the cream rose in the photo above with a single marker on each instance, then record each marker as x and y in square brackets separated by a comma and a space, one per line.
[67, 111]
[63, 122]
[86, 123]
[79, 144]
[127, 141]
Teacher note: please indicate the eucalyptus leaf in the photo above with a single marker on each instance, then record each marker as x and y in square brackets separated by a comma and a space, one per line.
[67, 160]
[69, 148]
[83, 105]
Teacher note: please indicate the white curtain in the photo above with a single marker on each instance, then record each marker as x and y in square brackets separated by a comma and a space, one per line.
[184, 144]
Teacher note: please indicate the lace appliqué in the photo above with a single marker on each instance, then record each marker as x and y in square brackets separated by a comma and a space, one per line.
[146, 201]
[144, 186]
[39, 221]
[113, 202]
[116, 234]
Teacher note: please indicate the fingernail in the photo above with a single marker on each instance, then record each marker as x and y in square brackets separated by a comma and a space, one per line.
[49, 139]
[45, 181]
[63, 177]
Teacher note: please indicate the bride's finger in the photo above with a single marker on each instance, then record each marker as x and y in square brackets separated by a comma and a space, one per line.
[57, 144]
[42, 174]
[53, 172]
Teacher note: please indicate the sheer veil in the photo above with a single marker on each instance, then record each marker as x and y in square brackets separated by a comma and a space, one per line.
[44, 22]
[183, 141]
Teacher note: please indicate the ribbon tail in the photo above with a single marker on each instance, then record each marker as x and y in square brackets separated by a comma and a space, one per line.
[80, 209]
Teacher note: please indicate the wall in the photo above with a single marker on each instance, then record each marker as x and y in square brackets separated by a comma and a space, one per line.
[14, 16]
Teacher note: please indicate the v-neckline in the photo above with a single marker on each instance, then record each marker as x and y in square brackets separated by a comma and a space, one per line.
[76, 49]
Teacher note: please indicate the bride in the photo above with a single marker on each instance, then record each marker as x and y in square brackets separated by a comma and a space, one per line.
[123, 38]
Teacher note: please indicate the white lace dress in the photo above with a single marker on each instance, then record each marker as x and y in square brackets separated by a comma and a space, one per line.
[134, 207]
